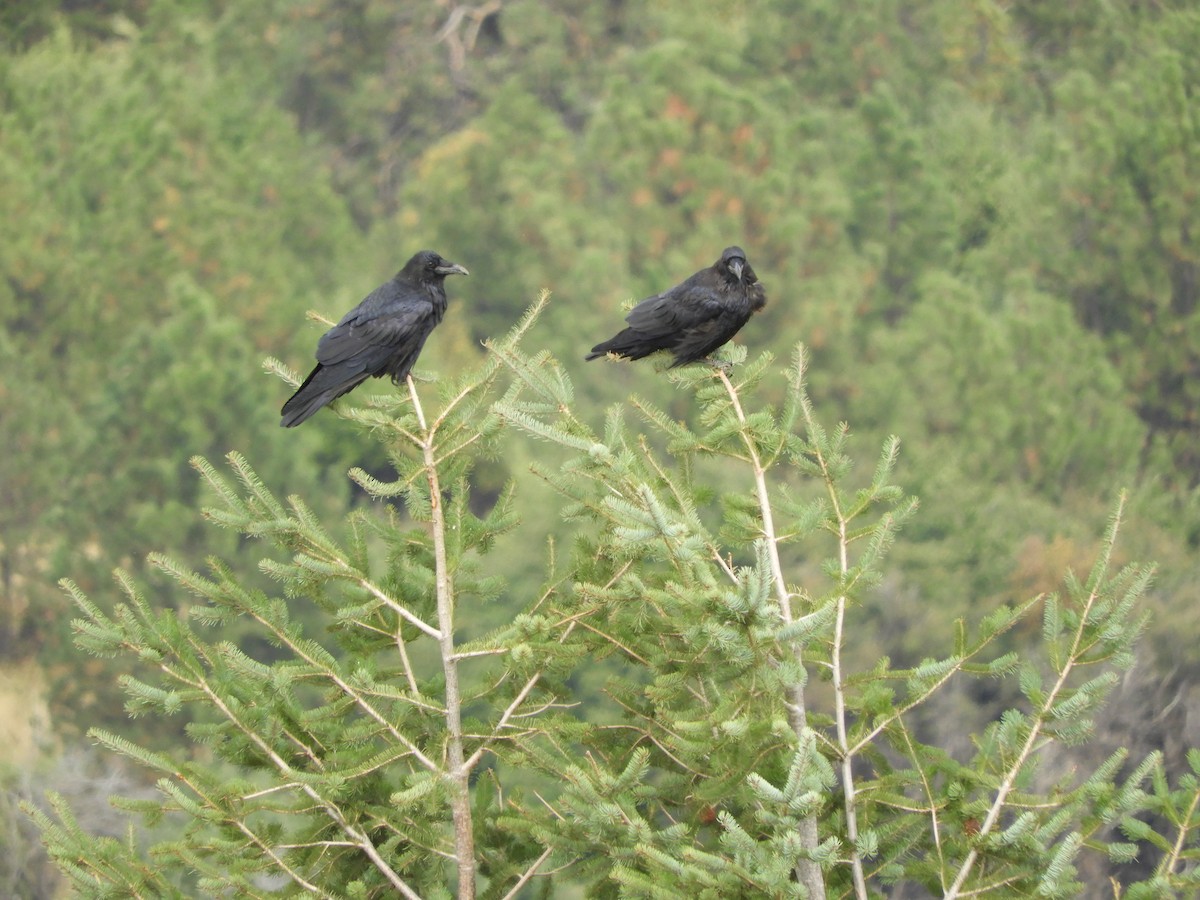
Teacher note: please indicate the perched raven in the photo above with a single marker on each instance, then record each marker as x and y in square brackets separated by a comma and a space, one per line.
[694, 318]
[383, 335]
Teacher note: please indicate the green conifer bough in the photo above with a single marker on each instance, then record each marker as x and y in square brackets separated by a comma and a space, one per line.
[680, 710]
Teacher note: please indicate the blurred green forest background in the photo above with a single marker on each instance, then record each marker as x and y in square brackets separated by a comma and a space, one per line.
[981, 218]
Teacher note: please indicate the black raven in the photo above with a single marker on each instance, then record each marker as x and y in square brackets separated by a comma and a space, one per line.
[383, 335]
[694, 318]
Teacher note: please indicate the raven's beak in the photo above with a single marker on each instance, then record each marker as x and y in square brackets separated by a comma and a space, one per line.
[735, 266]
[452, 269]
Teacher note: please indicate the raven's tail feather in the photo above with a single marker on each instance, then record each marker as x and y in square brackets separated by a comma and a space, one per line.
[321, 387]
[629, 344]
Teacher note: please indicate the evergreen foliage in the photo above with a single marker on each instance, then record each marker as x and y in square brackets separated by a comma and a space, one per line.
[734, 751]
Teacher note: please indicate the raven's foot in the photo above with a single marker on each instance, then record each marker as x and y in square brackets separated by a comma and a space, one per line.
[723, 364]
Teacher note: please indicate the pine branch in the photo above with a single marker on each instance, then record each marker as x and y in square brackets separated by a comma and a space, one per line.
[808, 871]
[263, 846]
[459, 771]
[300, 650]
[528, 874]
[927, 687]
[1044, 715]
[1186, 824]
[511, 709]
[331, 809]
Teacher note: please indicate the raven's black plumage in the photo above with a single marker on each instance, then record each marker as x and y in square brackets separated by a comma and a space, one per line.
[383, 335]
[694, 318]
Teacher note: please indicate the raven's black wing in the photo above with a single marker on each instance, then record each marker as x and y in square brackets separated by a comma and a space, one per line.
[684, 306]
[368, 344]
[383, 335]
